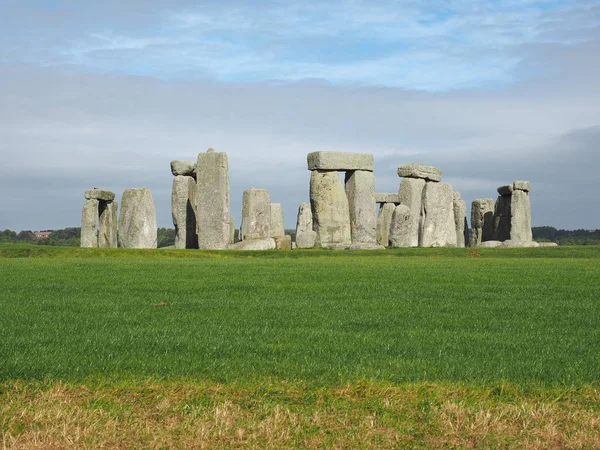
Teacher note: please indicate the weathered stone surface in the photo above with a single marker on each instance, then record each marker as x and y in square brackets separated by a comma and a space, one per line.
[329, 204]
[137, 222]
[388, 197]
[428, 173]
[460, 220]
[304, 221]
[360, 191]
[384, 223]
[294, 246]
[256, 214]
[411, 195]
[548, 244]
[502, 218]
[283, 242]
[482, 220]
[510, 243]
[182, 211]
[522, 186]
[212, 200]
[231, 229]
[185, 168]
[89, 224]
[490, 244]
[100, 194]
[306, 239]
[401, 227]
[340, 161]
[505, 190]
[336, 246]
[365, 246]
[107, 235]
[520, 217]
[254, 244]
[438, 229]
[277, 226]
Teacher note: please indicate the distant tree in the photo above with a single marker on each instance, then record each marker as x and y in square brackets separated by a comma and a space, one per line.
[26, 236]
[165, 237]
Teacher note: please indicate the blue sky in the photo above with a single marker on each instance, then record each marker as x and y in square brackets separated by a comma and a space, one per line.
[108, 92]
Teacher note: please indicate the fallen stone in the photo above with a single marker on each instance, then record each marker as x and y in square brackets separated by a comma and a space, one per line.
[184, 168]
[182, 211]
[490, 244]
[388, 197]
[212, 200]
[306, 239]
[277, 226]
[137, 222]
[283, 242]
[89, 224]
[505, 190]
[520, 217]
[256, 214]
[522, 186]
[411, 195]
[401, 227]
[340, 161]
[254, 244]
[364, 246]
[547, 244]
[99, 194]
[519, 244]
[438, 229]
[428, 173]
[384, 223]
[482, 220]
[460, 220]
[360, 191]
[107, 235]
[329, 204]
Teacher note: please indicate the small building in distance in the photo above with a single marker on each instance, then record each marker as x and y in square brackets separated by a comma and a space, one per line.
[42, 234]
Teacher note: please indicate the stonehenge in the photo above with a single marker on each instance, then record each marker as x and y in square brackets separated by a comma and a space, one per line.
[137, 222]
[512, 213]
[184, 217]
[99, 219]
[482, 221]
[305, 236]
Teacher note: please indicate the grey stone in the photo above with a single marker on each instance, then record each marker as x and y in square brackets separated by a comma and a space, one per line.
[100, 194]
[505, 190]
[490, 244]
[336, 246]
[231, 230]
[254, 244]
[277, 227]
[185, 168]
[294, 246]
[522, 186]
[401, 227]
[520, 216]
[107, 235]
[329, 204]
[388, 197]
[340, 161]
[137, 222]
[304, 221]
[482, 220]
[438, 228]
[460, 220]
[212, 200]
[510, 243]
[89, 224]
[411, 195]
[428, 173]
[360, 190]
[283, 242]
[256, 214]
[502, 213]
[365, 246]
[306, 239]
[548, 244]
[182, 211]
[384, 223]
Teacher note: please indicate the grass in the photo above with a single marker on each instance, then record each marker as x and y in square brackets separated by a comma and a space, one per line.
[409, 347]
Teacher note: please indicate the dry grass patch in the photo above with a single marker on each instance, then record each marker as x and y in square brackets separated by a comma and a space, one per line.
[279, 414]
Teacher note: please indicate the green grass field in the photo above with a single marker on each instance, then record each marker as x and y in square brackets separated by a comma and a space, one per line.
[527, 320]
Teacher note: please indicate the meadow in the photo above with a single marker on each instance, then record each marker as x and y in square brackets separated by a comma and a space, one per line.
[405, 347]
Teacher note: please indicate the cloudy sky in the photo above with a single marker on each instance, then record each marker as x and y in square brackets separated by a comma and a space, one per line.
[107, 93]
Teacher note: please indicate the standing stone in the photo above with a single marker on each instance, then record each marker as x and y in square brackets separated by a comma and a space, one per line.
[360, 190]
[89, 224]
[482, 221]
[305, 236]
[137, 222]
[329, 204]
[231, 230]
[256, 214]
[277, 226]
[212, 197]
[411, 195]
[384, 223]
[502, 218]
[184, 218]
[520, 220]
[400, 230]
[107, 237]
[438, 228]
[460, 220]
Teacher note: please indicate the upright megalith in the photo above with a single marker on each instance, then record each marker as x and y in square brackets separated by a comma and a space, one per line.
[482, 221]
[137, 222]
[384, 223]
[99, 219]
[89, 224]
[107, 235]
[184, 217]
[411, 195]
[401, 227]
[305, 236]
[360, 191]
[460, 220]
[256, 214]
[502, 213]
[520, 209]
[212, 200]
[438, 226]
[329, 204]
[277, 226]
[340, 161]
[231, 230]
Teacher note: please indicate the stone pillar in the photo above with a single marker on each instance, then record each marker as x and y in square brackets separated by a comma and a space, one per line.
[401, 228]
[460, 220]
[256, 214]
[502, 214]
[89, 224]
[137, 222]
[384, 223]
[98, 206]
[360, 190]
[231, 230]
[411, 195]
[107, 237]
[184, 218]
[212, 197]
[305, 236]
[482, 221]
[438, 227]
[277, 225]
[329, 204]
[520, 220]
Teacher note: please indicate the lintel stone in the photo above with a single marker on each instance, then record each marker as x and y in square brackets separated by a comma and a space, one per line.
[340, 161]
[428, 173]
[100, 194]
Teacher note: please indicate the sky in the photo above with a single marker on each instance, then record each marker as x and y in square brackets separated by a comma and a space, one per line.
[105, 94]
